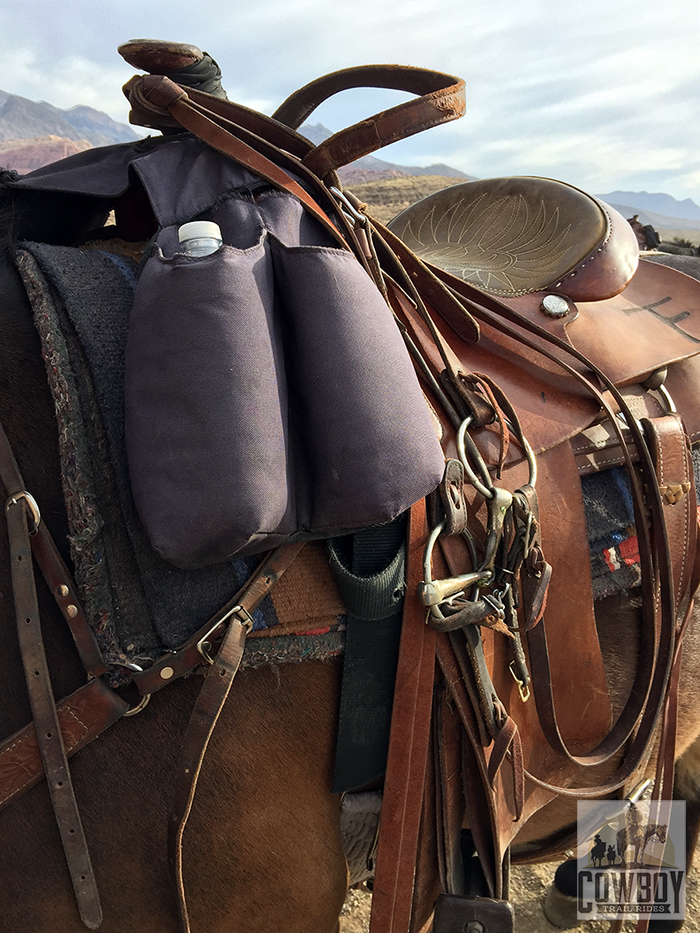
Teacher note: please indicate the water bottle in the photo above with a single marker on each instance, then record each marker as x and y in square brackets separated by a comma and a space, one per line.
[199, 238]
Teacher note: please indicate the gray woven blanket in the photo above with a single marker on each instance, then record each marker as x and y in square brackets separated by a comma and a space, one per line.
[138, 604]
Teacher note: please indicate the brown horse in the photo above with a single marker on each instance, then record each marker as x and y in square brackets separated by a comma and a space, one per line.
[263, 848]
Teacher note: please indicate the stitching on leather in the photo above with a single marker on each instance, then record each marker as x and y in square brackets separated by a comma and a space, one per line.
[686, 512]
[612, 442]
[33, 777]
[598, 249]
[14, 790]
[602, 463]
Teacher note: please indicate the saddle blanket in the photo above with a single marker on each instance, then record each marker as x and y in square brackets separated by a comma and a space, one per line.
[612, 539]
[138, 605]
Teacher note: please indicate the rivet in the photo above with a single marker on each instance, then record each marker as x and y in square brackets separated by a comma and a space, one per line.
[72, 611]
[167, 673]
[63, 590]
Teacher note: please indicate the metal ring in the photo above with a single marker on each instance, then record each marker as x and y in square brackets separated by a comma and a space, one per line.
[529, 454]
[666, 396]
[140, 706]
[486, 492]
[33, 508]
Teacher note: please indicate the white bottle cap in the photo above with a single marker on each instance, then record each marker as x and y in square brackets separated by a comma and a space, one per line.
[198, 228]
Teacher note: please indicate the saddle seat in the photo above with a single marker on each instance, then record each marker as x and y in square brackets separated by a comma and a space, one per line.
[515, 236]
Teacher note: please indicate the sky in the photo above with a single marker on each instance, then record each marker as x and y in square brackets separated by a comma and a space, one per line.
[603, 94]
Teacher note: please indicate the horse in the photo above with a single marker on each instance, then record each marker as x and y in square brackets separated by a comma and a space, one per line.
[263, 847]
[638, 841]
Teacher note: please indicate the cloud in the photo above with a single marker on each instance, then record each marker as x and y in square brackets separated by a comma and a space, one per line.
[594, 88]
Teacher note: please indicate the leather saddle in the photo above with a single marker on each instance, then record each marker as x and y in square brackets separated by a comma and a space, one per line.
[547, 269]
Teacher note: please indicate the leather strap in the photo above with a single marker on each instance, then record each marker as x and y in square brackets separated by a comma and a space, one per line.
[449, 794]
[408, 750]
[48, 730]
[210, 703]
[670, 449]
[654, 552]
[480, 802]
[53, 568]
[163, 94]
[299, 106]
[60, 582]
[670, 446]
[20, 510]
[441, 100]
[82, 716]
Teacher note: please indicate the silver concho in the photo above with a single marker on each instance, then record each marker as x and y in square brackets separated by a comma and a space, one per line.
[555, 306]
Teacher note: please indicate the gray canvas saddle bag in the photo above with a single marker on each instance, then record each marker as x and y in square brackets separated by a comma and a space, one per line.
[269, 393]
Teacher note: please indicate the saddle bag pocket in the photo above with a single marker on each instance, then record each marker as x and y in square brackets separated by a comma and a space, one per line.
[269, 396]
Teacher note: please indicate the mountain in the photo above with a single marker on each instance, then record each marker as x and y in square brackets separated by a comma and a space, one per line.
[26, 155]
[658, 221]
[24, 119]
[661, 205]
[370, 168]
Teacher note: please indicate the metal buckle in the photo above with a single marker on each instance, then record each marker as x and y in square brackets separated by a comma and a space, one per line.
[241, 615]
[351, 213]
[523, 688]
[32, 505]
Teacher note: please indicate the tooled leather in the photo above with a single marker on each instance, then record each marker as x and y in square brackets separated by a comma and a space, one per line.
[83, 716]
[661, 309]
[514, 236]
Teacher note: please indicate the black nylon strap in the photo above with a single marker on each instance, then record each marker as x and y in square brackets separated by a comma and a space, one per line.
[369, 569]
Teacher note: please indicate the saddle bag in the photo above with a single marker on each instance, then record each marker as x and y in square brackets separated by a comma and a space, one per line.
[269, 393]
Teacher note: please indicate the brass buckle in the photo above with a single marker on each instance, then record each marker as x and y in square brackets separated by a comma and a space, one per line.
[523, 687]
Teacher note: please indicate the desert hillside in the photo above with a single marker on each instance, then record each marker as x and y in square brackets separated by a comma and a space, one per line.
[26, 155]
[388, 196]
